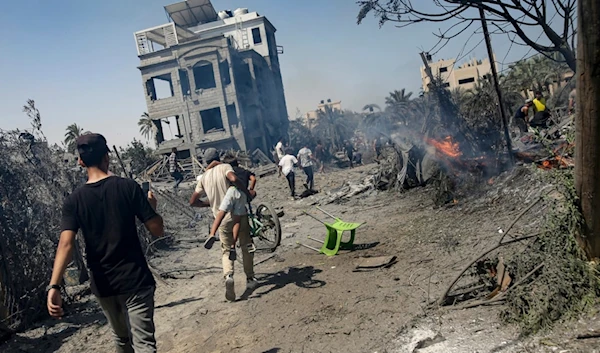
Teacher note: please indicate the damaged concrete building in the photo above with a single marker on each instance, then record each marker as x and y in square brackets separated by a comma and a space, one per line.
[213, 79]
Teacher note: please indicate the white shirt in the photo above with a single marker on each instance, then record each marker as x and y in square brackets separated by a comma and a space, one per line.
[279, 150]
[214, 184]
[305, 157]
[287, 164]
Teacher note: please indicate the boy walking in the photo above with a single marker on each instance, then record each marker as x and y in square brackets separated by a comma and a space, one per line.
[286, 166]
[105, 209]
[306, 159]
[174, 168]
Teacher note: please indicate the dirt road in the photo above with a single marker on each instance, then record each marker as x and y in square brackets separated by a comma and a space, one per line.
[307, 302]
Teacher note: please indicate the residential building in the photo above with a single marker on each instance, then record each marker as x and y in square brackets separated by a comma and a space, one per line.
[465, 76]
[214, 78]
[311, 117]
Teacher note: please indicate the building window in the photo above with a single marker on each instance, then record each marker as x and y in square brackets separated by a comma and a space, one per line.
[204, 76]
[232, 115]
[225, 76]
[211, 120]
[443, 69]
[447, 84]
[160, 87]
[256, 36]
[466, 80]
[184, 81]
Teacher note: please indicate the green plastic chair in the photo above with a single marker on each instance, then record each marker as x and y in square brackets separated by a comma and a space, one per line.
[333, 240]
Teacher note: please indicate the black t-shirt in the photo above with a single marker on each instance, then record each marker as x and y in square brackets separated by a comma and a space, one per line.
[243, 175]
[519, 113]
[105, 212]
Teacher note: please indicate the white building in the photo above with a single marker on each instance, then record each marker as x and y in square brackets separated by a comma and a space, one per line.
[463, 76]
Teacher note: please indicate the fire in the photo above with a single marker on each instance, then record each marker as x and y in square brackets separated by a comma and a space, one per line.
[557, 162]
[446, 147]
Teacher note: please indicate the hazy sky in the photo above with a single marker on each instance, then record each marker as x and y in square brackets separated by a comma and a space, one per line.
[77, 58]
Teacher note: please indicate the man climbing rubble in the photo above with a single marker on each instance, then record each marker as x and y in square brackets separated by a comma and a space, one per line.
[105, 209]
[214, 185]
[520, 118]
[541, 114]
[174, 168]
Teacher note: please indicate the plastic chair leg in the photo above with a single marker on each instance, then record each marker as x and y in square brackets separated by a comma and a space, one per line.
[332, 243]
[348, 245]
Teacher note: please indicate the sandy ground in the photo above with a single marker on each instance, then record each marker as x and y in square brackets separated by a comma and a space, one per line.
[308, 302]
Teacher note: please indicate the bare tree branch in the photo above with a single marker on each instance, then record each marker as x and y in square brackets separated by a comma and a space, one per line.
[515, 13]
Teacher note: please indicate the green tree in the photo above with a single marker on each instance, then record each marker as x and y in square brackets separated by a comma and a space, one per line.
[300, 135]
[73, 132]
[333, 128]
[398, 103]
[138, 155]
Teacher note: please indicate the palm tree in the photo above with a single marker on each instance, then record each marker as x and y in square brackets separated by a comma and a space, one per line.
[397, 104]
[398, 97]
[147, 127]
[371, 108]
[73, 132]
[333, 125]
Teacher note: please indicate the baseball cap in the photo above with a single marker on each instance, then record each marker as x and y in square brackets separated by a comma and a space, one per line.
[211, 154]
[91, 146]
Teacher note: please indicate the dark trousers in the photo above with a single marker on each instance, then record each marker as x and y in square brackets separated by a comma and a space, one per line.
[521, 124]
[178, 178]
[540, 119]
[131, 318]
[291, 178]
[310, 177]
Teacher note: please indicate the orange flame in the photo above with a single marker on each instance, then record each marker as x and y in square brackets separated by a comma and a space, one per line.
[446, 147]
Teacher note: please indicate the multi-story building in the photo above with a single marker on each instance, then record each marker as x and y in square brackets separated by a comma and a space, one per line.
[214, 78]
[311, 117]
[454, 76]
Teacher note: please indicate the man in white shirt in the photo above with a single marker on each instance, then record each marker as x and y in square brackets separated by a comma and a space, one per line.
[306, 159]
[214, 184]
[280, 148]
[286, 166]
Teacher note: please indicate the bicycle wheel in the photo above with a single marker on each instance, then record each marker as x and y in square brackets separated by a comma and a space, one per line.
[270, 233]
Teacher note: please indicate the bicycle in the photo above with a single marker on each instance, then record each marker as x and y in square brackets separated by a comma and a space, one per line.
[264, 226]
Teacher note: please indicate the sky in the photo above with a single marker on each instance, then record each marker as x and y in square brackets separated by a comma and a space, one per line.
[78, 61]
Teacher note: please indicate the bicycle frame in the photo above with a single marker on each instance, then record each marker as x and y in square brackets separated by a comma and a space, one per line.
[255, 225]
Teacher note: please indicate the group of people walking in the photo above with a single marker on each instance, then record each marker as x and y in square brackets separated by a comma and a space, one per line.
[305, 159]
[106, 208]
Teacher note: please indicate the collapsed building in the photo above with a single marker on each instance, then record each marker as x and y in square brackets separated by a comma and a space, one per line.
[213, 78]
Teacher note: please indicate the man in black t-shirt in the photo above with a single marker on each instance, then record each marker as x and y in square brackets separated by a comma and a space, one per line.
[105, 209]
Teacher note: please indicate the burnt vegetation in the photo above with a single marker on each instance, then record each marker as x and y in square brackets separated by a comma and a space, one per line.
[34, 179]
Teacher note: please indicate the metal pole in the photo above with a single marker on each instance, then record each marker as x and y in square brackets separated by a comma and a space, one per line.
[313, 217]
[327, 213]
[121, 163]
[427, 68]
[488, 44]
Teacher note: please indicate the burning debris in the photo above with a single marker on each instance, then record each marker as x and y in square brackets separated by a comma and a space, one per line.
[446, 148]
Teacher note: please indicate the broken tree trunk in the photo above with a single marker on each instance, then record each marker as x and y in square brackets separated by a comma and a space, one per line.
[587, 128]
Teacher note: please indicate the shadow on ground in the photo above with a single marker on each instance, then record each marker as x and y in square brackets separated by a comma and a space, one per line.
[178, 302]
[365, 246]
[301, 277]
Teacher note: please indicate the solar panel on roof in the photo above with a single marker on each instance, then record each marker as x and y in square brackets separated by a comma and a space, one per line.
[191, 12]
